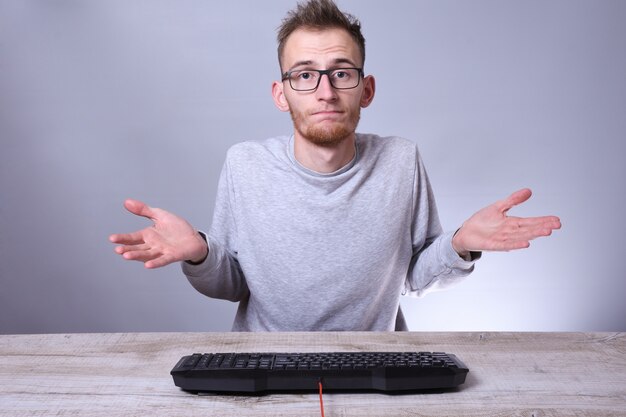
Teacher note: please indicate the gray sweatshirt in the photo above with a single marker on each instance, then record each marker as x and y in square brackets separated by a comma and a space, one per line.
[304, 251]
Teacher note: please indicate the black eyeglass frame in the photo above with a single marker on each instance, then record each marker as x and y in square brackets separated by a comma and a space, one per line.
[327, 72]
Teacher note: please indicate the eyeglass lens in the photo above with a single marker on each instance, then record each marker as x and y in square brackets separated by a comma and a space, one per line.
[340, 78]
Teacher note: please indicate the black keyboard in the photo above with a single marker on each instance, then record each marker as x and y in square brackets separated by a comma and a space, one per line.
[337, 371]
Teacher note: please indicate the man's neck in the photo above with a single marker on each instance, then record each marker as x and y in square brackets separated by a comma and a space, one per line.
[324, 159]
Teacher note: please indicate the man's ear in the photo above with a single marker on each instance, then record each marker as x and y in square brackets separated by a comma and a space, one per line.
[368, 91]
[279, 96]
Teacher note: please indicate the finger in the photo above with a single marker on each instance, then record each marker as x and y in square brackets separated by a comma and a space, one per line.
[528, 233]
[134, 238]
[129, 248]
[141, 255]
[552, 222]
[512, 245]
[139, 208]
[159, 262]
[518, 197]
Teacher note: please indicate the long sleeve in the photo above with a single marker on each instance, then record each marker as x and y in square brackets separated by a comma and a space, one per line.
[220, 275]
[435, 265]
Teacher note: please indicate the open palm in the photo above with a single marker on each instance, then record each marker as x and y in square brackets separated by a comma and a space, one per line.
[491, 229]
[169, 239]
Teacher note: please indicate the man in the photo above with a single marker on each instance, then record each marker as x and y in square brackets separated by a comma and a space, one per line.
[324, 229]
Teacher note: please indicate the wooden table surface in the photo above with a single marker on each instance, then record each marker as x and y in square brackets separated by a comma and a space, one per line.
[115, 374]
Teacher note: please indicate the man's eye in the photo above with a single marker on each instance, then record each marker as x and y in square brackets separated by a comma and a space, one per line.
[341, 74]
[304, 75]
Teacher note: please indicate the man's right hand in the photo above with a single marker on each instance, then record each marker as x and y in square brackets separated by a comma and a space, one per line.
[170, 239]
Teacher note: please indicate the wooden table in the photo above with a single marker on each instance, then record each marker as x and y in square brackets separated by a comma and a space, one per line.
[511, 374]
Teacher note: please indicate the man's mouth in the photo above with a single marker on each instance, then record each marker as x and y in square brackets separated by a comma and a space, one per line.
[327, 113]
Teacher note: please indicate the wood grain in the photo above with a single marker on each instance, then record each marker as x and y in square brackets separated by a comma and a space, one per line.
[511, 374]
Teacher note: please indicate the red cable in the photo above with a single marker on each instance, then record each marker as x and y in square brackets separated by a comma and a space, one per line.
[319, 383]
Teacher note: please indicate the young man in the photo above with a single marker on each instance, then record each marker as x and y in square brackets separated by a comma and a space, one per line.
[324, 229]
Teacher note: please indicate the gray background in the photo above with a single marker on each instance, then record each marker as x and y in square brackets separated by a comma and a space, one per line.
[104, 100]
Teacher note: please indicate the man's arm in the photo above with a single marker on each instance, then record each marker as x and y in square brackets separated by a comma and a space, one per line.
[169, 239]
[490, 229]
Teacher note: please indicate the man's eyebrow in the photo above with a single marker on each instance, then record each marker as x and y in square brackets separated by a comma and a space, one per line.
[308, 63]
[344, 61]
[300, 64]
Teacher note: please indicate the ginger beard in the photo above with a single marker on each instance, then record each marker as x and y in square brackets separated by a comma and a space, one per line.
[326, 134]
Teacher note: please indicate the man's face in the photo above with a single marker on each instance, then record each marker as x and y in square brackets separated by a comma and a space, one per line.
[325, 116]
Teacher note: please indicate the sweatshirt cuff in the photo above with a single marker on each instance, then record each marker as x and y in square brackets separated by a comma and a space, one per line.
[197, 269]
[452, 258]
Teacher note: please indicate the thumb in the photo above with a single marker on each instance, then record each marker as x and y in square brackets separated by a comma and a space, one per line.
[139, 208]
[518, 197]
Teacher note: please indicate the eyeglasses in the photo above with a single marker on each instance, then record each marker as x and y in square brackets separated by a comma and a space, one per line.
[309, 80]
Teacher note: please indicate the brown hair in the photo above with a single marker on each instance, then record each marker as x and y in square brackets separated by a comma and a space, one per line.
[319, 14]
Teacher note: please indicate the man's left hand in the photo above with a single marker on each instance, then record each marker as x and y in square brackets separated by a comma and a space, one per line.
[490, 229]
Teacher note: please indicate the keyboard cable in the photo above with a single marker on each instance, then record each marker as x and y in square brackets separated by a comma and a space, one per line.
[319, 383]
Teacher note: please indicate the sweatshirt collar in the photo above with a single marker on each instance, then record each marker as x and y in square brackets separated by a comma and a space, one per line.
[302, 168]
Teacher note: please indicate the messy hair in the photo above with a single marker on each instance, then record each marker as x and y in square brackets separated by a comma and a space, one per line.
[319, 14]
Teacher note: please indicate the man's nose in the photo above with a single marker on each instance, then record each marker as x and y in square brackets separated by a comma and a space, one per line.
[325, 90]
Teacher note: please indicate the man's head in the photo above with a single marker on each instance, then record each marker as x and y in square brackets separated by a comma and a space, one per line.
[321, 54]
[319, 15]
